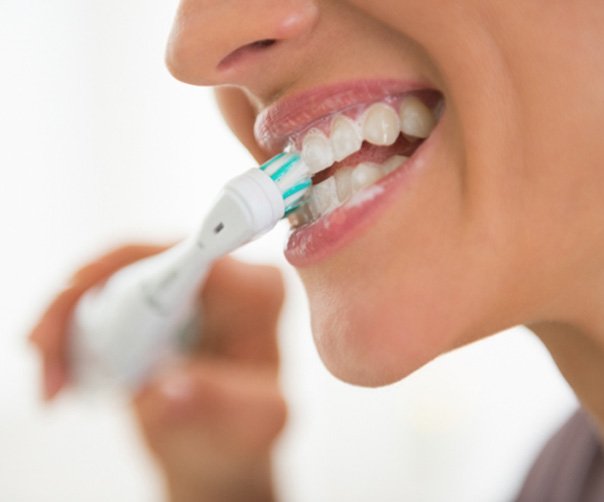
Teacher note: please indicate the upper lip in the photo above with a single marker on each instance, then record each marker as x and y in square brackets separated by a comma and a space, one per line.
[277, 123]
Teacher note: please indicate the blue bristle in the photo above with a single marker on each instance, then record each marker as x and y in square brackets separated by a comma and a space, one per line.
[294, 186]
[277, 175]
[270, 162]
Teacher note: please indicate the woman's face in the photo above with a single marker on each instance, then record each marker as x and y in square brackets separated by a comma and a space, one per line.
[497, 219]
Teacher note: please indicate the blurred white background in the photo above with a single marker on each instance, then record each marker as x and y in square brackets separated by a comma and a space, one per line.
[99, 145]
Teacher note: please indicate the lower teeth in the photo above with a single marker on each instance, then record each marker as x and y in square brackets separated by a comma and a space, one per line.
[341, 187]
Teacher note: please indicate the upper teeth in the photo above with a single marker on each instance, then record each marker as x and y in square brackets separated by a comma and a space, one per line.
[380, 124]
[317, 151]
[345, 137]
[416, 119]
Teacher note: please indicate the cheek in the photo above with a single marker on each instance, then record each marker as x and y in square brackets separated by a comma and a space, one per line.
[422, 279]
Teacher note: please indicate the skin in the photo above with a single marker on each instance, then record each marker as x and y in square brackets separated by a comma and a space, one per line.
[505, 223]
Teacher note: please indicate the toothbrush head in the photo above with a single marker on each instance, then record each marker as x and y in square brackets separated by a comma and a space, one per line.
[253, 202]
[292, 176]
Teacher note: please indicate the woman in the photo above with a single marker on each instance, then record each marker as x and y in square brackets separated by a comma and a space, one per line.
[495, 220]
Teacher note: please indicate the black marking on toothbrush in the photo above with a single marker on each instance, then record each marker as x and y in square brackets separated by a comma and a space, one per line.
[219, 228]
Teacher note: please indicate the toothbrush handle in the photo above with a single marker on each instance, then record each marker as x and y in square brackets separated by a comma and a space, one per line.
[121, 331]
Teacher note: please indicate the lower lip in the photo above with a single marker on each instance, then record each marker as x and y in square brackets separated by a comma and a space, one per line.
[310, 244]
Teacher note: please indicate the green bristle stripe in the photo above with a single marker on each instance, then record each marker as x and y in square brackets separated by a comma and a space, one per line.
[269, 163]
[290, 209]
[276, 176]
[296, 188]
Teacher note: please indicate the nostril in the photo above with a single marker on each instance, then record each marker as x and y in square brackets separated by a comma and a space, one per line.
[248, 49]
[262, 44]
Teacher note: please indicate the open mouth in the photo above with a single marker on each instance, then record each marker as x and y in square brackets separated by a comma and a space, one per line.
[350, 150]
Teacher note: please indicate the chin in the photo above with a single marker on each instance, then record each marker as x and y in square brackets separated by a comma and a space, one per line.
[377, 325]
[367, 348]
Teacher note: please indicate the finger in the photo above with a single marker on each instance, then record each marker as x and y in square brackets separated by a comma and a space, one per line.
[45, 333]
[107, 264]
[241, 308]
[48, 337]
[54, 377]
[221, 406]
[51, 331]
[208, 424]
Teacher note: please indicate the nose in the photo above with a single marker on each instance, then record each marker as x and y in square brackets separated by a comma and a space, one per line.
[216, 42]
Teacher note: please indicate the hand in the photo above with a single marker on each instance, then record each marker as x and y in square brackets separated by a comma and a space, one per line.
[211, 422]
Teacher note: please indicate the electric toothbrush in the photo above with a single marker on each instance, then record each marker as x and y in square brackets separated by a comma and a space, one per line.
[123, 329]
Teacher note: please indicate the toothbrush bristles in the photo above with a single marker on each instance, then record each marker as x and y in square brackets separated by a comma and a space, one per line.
[291, 175]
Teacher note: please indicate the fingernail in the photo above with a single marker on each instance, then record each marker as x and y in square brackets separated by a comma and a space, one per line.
[176, 386]
[176, 389]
